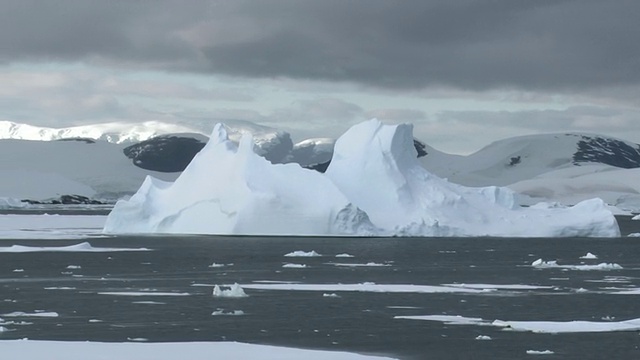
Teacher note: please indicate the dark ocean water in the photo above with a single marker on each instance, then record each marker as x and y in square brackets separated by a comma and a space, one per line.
[79, 287]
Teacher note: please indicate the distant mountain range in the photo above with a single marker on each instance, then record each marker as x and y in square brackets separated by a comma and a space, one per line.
[560, 167]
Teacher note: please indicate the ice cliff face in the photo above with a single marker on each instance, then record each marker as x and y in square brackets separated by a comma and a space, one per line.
[229, 189]
[373, 187]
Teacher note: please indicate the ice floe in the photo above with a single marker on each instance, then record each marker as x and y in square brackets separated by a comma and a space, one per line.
[552, 264]
[81, 247]
[80, 350]
[229, 291]
[300, 253]
[551, 327]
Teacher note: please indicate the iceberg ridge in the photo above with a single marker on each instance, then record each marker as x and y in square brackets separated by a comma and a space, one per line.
[374, 186]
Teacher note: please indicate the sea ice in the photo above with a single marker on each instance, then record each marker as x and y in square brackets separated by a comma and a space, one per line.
[552, 264]
[300, 253]
[234, 291]
[550, 327]
[81, 247]
[540, 352]
[294, 266]
[81, 350]
[589, 256]
[374, 186]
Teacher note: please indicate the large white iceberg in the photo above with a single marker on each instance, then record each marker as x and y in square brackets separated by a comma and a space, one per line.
[374, 186]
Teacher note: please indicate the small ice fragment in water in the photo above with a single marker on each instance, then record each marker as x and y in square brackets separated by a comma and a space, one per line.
[483, 337]
[294, 266]
[540, 352]
[234, 291]
[589, 256]
[345, 255]
[300, 253]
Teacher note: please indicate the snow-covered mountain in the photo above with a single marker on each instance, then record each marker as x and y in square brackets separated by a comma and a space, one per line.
[562, 167]
[559, 167]
[114, 132]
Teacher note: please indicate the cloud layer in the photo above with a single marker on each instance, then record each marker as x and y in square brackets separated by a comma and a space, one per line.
[469, 44]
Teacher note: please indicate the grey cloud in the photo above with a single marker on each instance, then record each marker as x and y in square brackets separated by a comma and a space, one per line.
[397, 115]
[470, 44]
[577, 118]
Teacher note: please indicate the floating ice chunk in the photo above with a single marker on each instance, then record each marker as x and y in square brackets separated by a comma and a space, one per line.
[215, 265]
[300, 253]
[294, 266]
[18, 270]
[74, 267]
[233, 291]
[540, 352]
[344, 255]
[634, 235]
[589, 256]
[540, 264]
[3, 329]
[33, 314]
[222, 312]
[636, 217]
[483, 337]
[331, 295]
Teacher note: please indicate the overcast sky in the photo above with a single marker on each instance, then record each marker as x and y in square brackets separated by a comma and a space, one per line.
[464, 72]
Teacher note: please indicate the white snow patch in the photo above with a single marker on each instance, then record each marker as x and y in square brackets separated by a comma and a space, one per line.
[300, 253]
[233, 291]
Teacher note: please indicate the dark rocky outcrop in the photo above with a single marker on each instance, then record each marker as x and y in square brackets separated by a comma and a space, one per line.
[167, 153]
[65, 200]
[608, 151]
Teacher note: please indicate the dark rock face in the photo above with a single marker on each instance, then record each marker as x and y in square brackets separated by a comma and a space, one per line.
[607, 151]
[65, 200]
[420, 148]
[164, 153]
[85, 140]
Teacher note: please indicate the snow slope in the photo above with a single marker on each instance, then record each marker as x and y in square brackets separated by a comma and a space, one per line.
[46, 169]
[567, 168]
[374, 175]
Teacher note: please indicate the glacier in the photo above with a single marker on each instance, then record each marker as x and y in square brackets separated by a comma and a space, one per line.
[374, 186]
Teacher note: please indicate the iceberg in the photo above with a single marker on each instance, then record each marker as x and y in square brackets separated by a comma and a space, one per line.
[374, 186]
